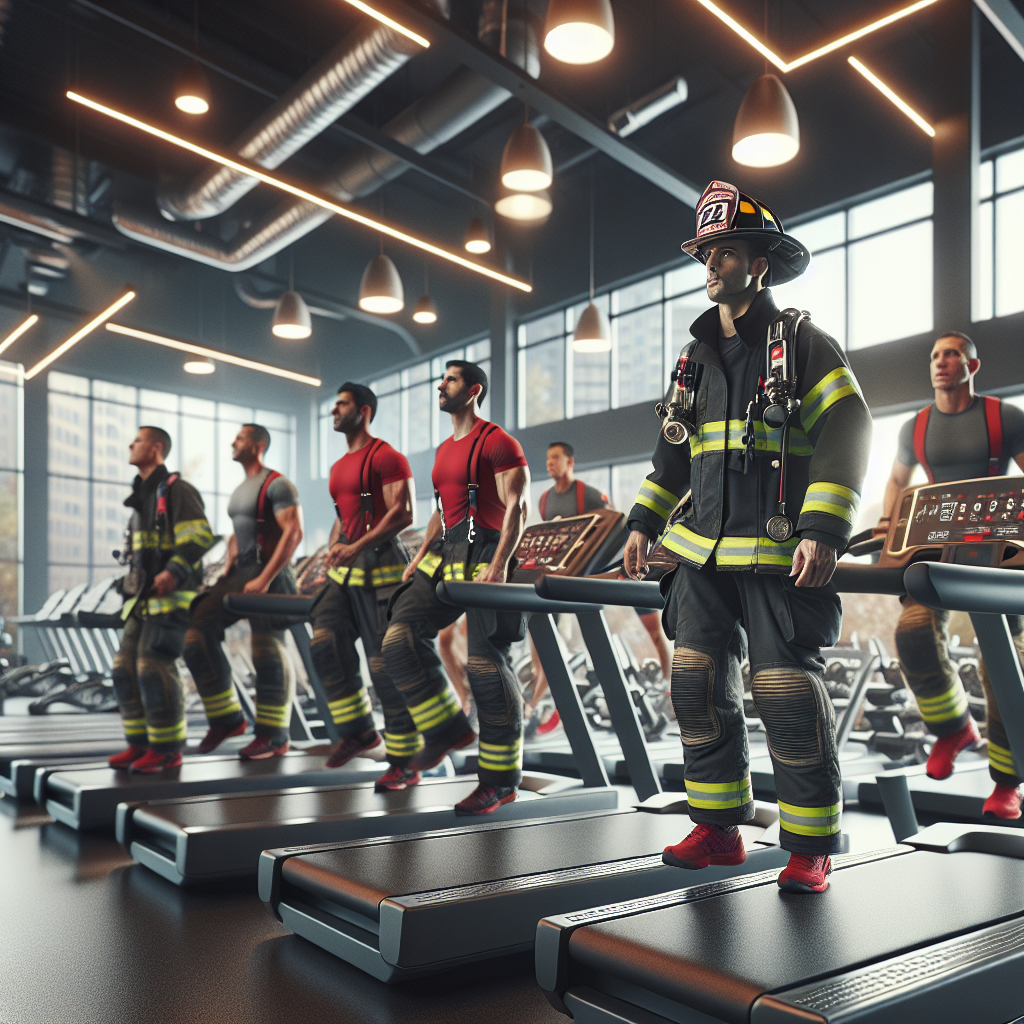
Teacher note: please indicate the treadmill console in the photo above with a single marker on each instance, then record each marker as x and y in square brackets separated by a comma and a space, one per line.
[574, 546]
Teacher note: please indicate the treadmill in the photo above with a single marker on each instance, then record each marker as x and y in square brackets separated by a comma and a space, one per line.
[884, 944]
[404, 907]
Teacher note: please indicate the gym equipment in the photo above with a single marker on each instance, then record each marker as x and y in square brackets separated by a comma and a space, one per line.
[399, 908]
[573, 546]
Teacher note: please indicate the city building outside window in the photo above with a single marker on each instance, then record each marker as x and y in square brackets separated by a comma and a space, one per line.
[11, 490]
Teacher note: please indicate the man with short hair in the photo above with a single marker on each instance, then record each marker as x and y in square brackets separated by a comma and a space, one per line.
[958, 437]
[481, 482]
[168, 535]
[267, 519]
[374, 496]
[755, 564]
[569, 496]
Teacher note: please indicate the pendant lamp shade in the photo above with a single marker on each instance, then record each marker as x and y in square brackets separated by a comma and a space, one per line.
[579, 31]
[192, 90]
[767, 130]
[380, 290]
[199, 366]
[526, 161]
[291, 317]
[593, 332]
[478, 238]
[526, 207]
[426, 311]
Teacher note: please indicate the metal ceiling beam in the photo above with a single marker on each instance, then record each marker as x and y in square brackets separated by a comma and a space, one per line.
[1006, 20]
[468, 51]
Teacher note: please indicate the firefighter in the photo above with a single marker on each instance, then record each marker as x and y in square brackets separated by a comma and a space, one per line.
[769, 434]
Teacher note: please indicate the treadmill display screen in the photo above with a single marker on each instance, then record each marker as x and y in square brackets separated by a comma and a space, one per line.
[968, 511]
[549, 546]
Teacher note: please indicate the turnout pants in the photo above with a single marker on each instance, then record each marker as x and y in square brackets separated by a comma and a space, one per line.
[416, 617]
[275, 674]
[922, 638]
[146, 681]
[341, 615]
[710, 614]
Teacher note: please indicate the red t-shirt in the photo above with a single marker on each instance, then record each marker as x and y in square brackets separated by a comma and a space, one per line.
[346, 483]
[499, 452]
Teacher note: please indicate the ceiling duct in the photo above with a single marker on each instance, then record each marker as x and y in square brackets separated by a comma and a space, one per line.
[368, 55]
[454, 105]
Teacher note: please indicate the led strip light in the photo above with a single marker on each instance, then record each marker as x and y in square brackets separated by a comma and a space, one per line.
[243, 167]
[17, 332]
[209, 353]
[892, 97]
[385, 20]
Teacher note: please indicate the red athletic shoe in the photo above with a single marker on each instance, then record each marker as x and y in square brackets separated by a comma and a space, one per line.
[706, 845]
[940, 760]
[217, 734]
[432, 754]
[486, 800]
[345, 749]
[1003, 803]
[395, 779]
[263, 747]
[126, 757]
[153, 761]
[550, 724]
[806, 874]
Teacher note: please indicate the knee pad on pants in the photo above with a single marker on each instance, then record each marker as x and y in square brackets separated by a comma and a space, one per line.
[201, 662]
[156, 686]
[693, 687]
[399, 652]
[493, 701]
[793, 714]
[124, 684]
[271, 661]
[919, 642]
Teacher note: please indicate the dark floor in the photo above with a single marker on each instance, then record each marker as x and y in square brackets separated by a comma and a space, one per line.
[88, 936]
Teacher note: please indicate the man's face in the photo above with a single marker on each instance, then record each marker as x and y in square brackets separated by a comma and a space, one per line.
[950, 365]
[244, 448]
[730, 271]
[453, 393]
[558, 462]
[347, 417]
[144, 449]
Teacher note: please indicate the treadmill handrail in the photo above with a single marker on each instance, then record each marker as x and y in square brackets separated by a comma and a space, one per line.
[851, 578]
[504, 597]
[630, 593]
[292, 605]
[966, 588]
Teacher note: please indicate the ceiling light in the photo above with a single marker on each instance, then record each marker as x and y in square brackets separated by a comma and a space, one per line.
[291, 317]
[426, 311]
[380, 290]
[767, 130]
[210, 353]
[199, 366]
[81, 333]
[318, 199]
[478, 238]
[385, 20]
[661, 100]
[526, 161]
[18, 332]
[526, 207]
[593, 332]
[579, 31]
[192, 90]
[891, 96]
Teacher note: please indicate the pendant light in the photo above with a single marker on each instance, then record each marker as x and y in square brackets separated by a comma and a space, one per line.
[593, 332]
[478, 238]
[192, 90]
[426, 309]
[767, 130]
[291, 316]
[380, 290]
[526, 164]
[200, 366]
[579, 31]
[525, 207]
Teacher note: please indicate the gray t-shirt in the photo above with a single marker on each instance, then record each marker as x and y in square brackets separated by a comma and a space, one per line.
[565, 505]
[281, 494]
[956, 444]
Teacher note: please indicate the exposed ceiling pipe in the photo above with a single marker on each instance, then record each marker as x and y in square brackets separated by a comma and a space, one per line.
[456, 104]
[368, 55]
[323, 306]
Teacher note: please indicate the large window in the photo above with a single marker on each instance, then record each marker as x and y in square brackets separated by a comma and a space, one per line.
[91, 424]
[1001, 227]
[11, 469]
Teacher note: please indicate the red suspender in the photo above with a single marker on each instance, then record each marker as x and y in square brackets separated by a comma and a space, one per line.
[543, 504]
[920, 429]
[580, 503]
[261, 534]
[994, 422]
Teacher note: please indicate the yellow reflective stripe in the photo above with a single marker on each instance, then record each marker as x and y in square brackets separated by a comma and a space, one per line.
[170, 734]
[727, 435]
[457, 571]
[811, 821]
[718, 796]
[348, 709]
[354, 576]
[687, 544]
[172, 602]
[766, 440]
[656, 498]
[221, 703]
[829, 390]
[182, 561]
[150, 540]
[435, 711]
[402, 744]
[835, 499]
[273, 714]
[949, 705]
[134, 726]
[127, 609]
[500, 757]
[385, 575]
[733, 551]
[193, 531]
[1001, 759]
[429, 563]
[340, 574]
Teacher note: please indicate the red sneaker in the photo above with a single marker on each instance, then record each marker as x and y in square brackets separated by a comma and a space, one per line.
[263, 747]
[940, 760]
[706, 845]
[550, 724]
[806, 874]
[486, 800]
[345, 749]
[395, 779]
[1003, 803]
[217, 734]
[126, 757]
[432, 754]
[153, 761]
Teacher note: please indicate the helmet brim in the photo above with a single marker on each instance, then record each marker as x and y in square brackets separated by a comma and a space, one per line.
[787, 258]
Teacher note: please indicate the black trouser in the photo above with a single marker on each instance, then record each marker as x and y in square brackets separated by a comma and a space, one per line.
[341, 615]
[786, 627]
[275, 674]
[146, 682]
[413, 664]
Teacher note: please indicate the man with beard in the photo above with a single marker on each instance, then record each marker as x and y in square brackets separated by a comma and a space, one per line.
[374, 495]
[481, 482]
